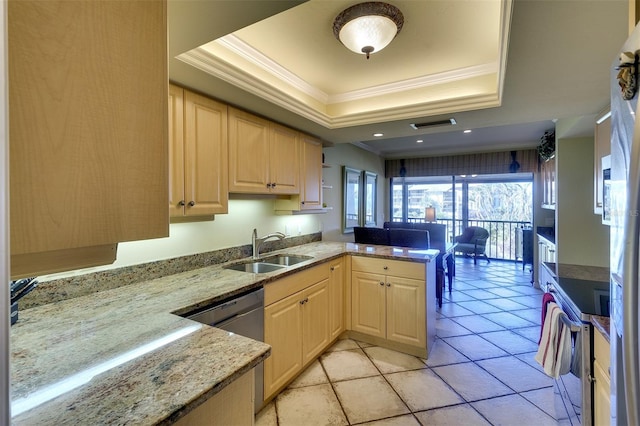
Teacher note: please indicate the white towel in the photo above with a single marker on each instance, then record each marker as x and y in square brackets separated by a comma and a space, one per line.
[554, 351]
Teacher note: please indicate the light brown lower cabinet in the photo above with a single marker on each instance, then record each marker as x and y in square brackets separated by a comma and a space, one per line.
[296, 324]
[602, 385]
[389, 301]
[233, 405]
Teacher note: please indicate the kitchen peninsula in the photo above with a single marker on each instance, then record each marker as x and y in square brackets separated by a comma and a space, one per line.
[125, 355]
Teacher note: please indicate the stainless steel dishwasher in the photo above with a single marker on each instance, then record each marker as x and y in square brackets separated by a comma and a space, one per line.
[243, 315]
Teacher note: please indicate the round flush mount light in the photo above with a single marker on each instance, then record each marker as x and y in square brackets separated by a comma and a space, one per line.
[467, 131]
[378, 135]
[419, 141]
[368, 27]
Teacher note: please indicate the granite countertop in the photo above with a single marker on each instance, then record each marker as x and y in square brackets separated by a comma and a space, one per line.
[578, 272]
[603, 325]
[125, 356]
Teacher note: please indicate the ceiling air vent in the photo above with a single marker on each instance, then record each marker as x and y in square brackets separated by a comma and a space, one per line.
[449, 122]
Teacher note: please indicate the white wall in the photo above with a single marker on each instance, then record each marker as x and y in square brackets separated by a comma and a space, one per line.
[581, 239]
[348, 155]
[228, 230]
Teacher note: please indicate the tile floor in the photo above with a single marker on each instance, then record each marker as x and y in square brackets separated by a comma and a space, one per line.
[480, 371]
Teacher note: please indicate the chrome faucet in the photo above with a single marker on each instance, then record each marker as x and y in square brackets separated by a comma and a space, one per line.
[257, 242]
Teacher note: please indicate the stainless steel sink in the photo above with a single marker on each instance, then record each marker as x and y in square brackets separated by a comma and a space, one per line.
[286, 259]
[255, 267]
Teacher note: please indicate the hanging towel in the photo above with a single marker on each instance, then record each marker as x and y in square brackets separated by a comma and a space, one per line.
[546, 299]
[554, 351]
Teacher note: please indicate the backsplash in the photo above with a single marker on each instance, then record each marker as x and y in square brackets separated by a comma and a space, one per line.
[81, 285]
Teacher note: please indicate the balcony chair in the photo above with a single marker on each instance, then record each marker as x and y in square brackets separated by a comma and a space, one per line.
[473, 242]
[413, 238]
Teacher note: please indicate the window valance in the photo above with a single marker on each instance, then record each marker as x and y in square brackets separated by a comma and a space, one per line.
[466, 164]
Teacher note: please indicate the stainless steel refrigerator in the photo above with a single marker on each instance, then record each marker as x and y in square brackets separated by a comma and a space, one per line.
[625, 238]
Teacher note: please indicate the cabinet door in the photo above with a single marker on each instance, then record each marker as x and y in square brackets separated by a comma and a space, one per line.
[283, 331]
[176, 151]
[248, 153]
[205, 151]
[368, 304]
[284, 160]
[315, 320]
[311, 174]
[601, 396]
[337, 298]
[406, 316]
[87, 129]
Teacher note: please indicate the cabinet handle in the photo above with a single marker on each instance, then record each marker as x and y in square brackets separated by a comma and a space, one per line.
[381, 283]
[388, 284]
[385, 267]
[268, 185]
[552, 251]
[192, 203]
[302, 202]
[333, 268]
[273, 185]
[181, 203]
[305, 300]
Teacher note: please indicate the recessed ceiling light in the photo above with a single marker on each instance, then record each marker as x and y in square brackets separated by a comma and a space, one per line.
[467, 131]
[377, 135]
[419, 141]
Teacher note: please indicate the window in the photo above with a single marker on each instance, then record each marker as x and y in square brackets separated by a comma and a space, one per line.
[498, 203]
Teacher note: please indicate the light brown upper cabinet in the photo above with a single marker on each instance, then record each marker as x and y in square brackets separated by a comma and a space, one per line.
[310, 197]
[197, 155]
[263, 156]
[602, 148]
[88, 130]
[311, 174]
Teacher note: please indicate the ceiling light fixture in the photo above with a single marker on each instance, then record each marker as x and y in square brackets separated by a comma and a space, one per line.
[368, 27]
[467, 131]
[377, 135]
[419, 141]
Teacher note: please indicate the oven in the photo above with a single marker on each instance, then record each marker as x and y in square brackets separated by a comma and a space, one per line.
[575, 394]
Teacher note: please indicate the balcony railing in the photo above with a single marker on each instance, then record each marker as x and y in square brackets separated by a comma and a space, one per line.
[502, 242]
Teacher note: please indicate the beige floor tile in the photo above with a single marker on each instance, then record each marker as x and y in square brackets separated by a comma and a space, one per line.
[544, 399]
[389, 361]
[513, 409]
[345, 365]
[457, 415]
[406, 420]
[313, 375]
[516, 374]
[443, 354]
[267, 416]
[311, 405]
[471, 381]
[423, 390]
[369, 399]
[364, 344]
[343, 345]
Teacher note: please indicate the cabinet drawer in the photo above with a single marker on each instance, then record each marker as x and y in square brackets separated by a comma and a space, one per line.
[388, 267]
[601, 350]
[294, 283]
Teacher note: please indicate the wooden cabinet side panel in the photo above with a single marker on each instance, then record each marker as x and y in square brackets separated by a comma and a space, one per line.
[315, 321]
[337, 298]
[368, 304]
[88, 96]
[283, 331]
[176, 151]
[233, 405]
[248, 153]
[206, 173]
[406, 316]
[284, 160]
[311, 175]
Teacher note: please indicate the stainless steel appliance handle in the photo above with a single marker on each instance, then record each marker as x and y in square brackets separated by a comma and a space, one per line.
[630, 287]
[574, 327]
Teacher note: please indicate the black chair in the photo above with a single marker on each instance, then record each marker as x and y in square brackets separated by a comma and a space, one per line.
[364, 235]
[409, 238]
[473, 242]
